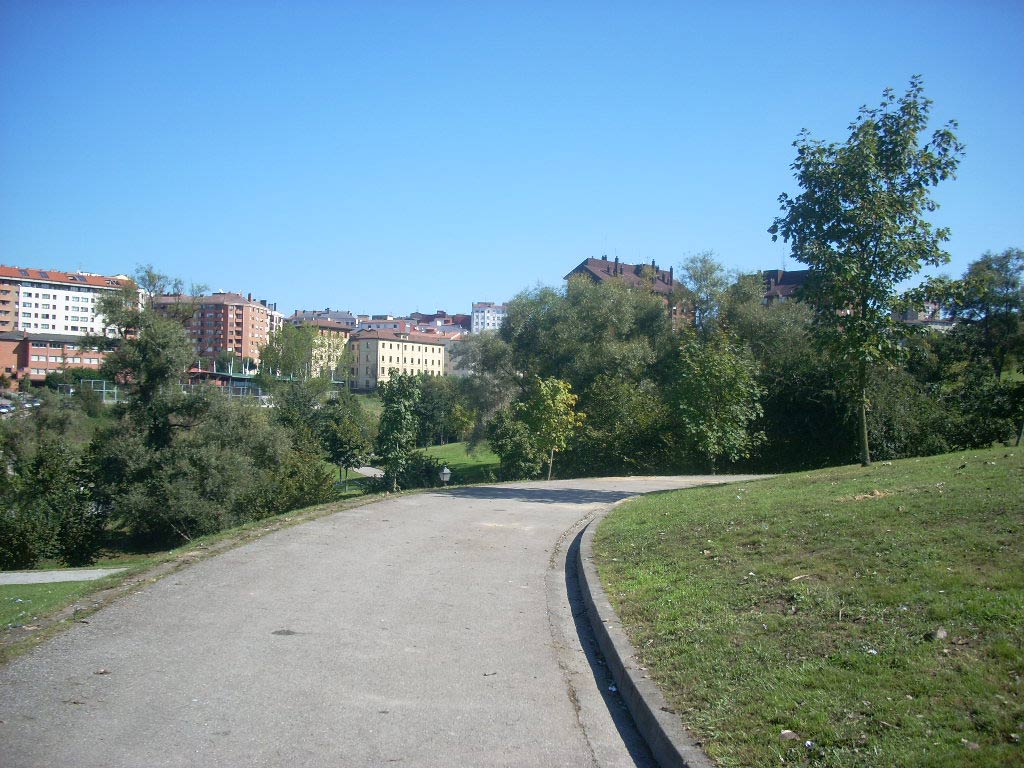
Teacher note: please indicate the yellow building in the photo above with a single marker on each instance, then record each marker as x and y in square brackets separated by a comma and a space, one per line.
[378, 354]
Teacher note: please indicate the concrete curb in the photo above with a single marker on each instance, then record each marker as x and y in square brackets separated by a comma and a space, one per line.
[667, 739]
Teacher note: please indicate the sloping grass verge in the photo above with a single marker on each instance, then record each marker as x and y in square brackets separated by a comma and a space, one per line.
[468, 467]
[875, 615]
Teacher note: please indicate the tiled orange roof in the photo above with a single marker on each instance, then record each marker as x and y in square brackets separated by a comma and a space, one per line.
[387, 335]
[69, 278]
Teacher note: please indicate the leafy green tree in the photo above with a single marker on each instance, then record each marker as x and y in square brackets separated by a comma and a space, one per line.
[396, 438]
[45, 509]
[288, 352]
[549, 412]
[148, 367]
[438, 399]
[297, 407]
[587, 331]
[518, 454]
[716, 398]
[707, 281]
[989, 309]
[494, 382]
[626, 430]
[860, 226]
[343, 437]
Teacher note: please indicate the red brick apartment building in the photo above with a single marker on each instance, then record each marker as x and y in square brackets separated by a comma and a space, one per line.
[33, 355]
[224, 322]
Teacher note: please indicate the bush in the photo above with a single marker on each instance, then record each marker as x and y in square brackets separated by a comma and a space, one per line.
[80, 534]
[905, 418]
[520, 459]
[23, 539]
[420, 471]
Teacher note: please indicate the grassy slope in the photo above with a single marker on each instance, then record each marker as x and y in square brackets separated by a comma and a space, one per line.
[804, 602]
[480, 466]
[22, 603]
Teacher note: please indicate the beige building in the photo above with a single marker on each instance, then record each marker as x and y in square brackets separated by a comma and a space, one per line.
[377, 354]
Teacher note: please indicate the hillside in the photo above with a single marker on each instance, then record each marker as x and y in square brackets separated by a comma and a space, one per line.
[875, 612]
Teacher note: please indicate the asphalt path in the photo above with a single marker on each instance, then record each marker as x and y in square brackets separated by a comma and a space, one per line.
[434, 629]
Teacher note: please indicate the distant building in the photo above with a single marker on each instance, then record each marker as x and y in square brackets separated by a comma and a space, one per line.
[379, 353]
[383, 323]
[440, 319]
[32, 356]
[487, 316]
[329, 345]
[781, 285]
[449, 336]
[49, 301]
[929, 316]
[223, 322]
[647, 277]
[342, 316]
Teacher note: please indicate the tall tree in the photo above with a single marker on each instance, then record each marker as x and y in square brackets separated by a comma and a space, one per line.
[396, 438]
[860, 226]
[717, 398]
[342, 435]
[707, 281]
[289, 352]
[549, 412]
[990, 307]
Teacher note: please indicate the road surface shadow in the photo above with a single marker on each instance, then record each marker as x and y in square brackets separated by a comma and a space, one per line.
[635, 743]
[542, 495]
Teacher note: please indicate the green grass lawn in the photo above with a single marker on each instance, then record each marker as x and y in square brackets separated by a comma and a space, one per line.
[878, 613]
[479, 466]
[21, 604]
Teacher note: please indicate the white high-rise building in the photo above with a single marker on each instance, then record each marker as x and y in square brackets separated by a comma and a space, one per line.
[487, 316]
[48, 301]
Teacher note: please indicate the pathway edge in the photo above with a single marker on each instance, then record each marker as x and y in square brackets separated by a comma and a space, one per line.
[669, 742]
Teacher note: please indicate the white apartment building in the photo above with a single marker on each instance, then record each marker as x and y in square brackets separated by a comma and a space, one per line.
[487, 316]
[48, 301]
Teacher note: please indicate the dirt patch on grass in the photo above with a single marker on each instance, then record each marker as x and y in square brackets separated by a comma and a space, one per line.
[870, 495]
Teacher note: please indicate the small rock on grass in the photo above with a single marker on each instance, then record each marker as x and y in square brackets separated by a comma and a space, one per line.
[788, 735]
[939, 633]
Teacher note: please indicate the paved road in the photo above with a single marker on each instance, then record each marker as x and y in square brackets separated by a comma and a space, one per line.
[425, 630]
[52, 577]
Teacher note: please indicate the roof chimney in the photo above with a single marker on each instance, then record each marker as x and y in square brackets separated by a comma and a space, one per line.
[250, 297]
[616, 266]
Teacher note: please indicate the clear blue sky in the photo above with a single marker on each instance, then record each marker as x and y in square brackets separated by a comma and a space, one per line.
[394, 156]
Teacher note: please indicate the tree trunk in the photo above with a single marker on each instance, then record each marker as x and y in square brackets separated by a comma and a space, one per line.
[862, 413]
[345, 470]
[1020, 435]
[551, 462]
